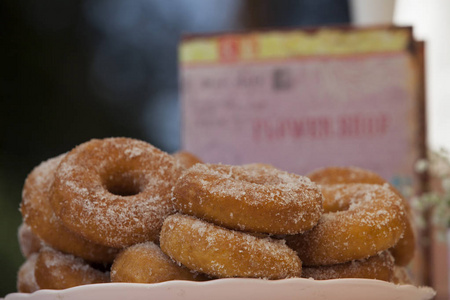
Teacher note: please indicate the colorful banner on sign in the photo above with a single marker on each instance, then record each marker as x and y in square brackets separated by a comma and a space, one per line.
[302, 100]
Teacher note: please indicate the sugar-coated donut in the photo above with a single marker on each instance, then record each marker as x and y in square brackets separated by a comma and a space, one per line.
[38, 214]
[337, 175]
[379, 266]
[56, 270]
[373, 222]
[404, 250]
[253, 198]
[186, 159]
[146, 263]
[26, 282]
[220, 252]
[29, 242]
[342, 175]
[116, 191]
[401, 275]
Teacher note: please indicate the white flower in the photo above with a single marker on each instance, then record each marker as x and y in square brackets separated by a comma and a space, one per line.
[421, 165]
[446, 184]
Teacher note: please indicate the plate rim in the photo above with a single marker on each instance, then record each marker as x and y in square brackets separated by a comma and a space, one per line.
[242, 282]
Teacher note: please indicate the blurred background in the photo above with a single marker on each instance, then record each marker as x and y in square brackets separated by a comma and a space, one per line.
[75, 70]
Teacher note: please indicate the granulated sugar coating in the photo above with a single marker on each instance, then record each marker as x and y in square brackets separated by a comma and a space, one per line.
[373, 222]
[186, 159]
[29, 242]
[379, 266]
[39, 216]
[108, 203]
[343, 175]
[404, 250]
[220, 252]
[338, 175]
[55, 270]
[253, 198]
[146, 263]
[115, 191]
[26, 281]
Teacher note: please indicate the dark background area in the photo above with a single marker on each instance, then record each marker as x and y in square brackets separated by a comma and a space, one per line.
[73, 70]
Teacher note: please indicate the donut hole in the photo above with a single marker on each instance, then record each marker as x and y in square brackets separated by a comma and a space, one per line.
[124, 184]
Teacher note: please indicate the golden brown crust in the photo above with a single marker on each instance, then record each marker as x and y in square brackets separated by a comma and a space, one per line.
[38, 214]
[146, 263]
[342, 175]
[404, 250]
[220, 252]
[29, 242]
[115, 192]
[379, 266]
[186, 159]
[26, 282]
[252, 198]
[338, 175]
[55, 270]
[373, 222]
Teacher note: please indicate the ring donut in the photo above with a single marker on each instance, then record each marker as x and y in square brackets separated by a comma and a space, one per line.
[146, 263]
[253, 198]
[404, 250]
[29, 242]
[373, 222]
[56, 270]
[379, 266]
[114, 192]
[26, 281]
[220, 252]
[186, 159]
[39, 216]
[338, 175]
[342, 175]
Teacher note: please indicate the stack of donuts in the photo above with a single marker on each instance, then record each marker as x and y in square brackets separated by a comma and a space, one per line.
[366, 230]
[121, 210]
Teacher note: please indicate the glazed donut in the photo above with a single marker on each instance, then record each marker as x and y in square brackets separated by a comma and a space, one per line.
[379, 266]
[186, 159]
[373, 222]
[220, 252]
[115, 192]
[55, 270]
[253, 198]
[29, 243]
[26, 282]
[146, 263]
[38, 214]
[404, 250]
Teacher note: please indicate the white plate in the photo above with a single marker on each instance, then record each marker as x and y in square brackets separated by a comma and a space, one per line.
[239, 289]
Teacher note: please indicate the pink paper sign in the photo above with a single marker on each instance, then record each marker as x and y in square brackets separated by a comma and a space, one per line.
[304, 113]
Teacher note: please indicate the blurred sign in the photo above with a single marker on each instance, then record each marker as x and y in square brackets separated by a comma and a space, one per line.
[305, 99]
